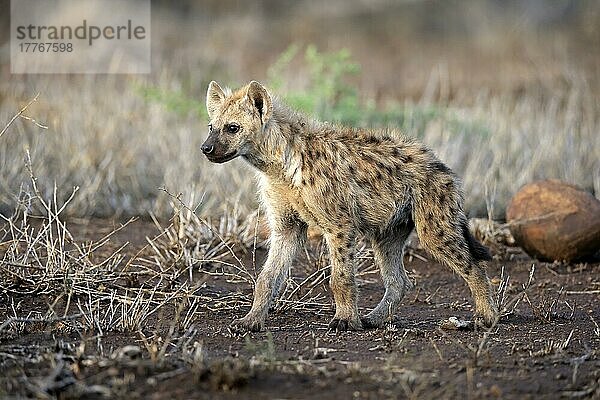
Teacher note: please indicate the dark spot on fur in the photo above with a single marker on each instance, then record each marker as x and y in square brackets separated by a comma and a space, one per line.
[373, 140]
[352, 169]
[339, 235]
[363, 181]
[440, 167]
[311, 180]
[379, 175]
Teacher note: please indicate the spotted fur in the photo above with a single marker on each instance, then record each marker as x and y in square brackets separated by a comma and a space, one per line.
[348, 182]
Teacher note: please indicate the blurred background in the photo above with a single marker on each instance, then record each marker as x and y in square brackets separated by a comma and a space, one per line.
[506, 92]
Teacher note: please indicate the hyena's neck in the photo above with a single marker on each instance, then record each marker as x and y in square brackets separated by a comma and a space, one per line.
[278, 152]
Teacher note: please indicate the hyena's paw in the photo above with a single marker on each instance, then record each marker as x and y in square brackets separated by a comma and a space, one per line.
[247, 324]
[345, 324]
[487, 319]
[371, 322]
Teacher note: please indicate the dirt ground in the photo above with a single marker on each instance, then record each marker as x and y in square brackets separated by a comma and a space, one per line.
[547, 347]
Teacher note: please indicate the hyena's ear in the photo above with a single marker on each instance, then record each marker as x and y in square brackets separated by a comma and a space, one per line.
[261, 100]
[214, 98]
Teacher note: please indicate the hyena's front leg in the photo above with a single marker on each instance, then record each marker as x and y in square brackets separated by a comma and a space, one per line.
[343, 283]
[287, 238]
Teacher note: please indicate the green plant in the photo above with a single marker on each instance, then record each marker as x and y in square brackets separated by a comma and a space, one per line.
[175, 101]
[329, 96]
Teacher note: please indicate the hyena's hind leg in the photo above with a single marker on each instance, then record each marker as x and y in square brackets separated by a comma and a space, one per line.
[448, 239]
[389, 257]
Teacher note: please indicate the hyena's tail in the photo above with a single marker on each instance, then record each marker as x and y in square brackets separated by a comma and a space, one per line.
[477, 250]
[440, 221]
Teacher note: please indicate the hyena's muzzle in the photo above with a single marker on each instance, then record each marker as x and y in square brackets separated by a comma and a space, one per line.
[216, 151]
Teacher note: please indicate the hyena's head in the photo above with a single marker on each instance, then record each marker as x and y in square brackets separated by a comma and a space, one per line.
[236, 120]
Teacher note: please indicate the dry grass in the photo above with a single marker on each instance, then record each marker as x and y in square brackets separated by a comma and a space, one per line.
[535, 115]
[159, 295]
[110, 151]
[527, 139]
[112, 292]
[119, 163]
[158, 298]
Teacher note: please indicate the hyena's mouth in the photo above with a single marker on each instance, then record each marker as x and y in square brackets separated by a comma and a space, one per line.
[219, 159]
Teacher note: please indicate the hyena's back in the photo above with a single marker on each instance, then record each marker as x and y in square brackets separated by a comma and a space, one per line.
[372, 180]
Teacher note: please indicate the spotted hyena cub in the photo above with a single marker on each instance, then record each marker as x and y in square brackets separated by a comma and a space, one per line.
[347, 182]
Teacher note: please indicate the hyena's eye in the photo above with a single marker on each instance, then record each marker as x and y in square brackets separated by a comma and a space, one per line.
[232, 128]
[210, 127]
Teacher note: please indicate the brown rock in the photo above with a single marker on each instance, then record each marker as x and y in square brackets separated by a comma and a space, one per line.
[552, 220]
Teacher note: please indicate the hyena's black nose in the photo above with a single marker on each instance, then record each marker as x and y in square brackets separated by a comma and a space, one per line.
[207, 148]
